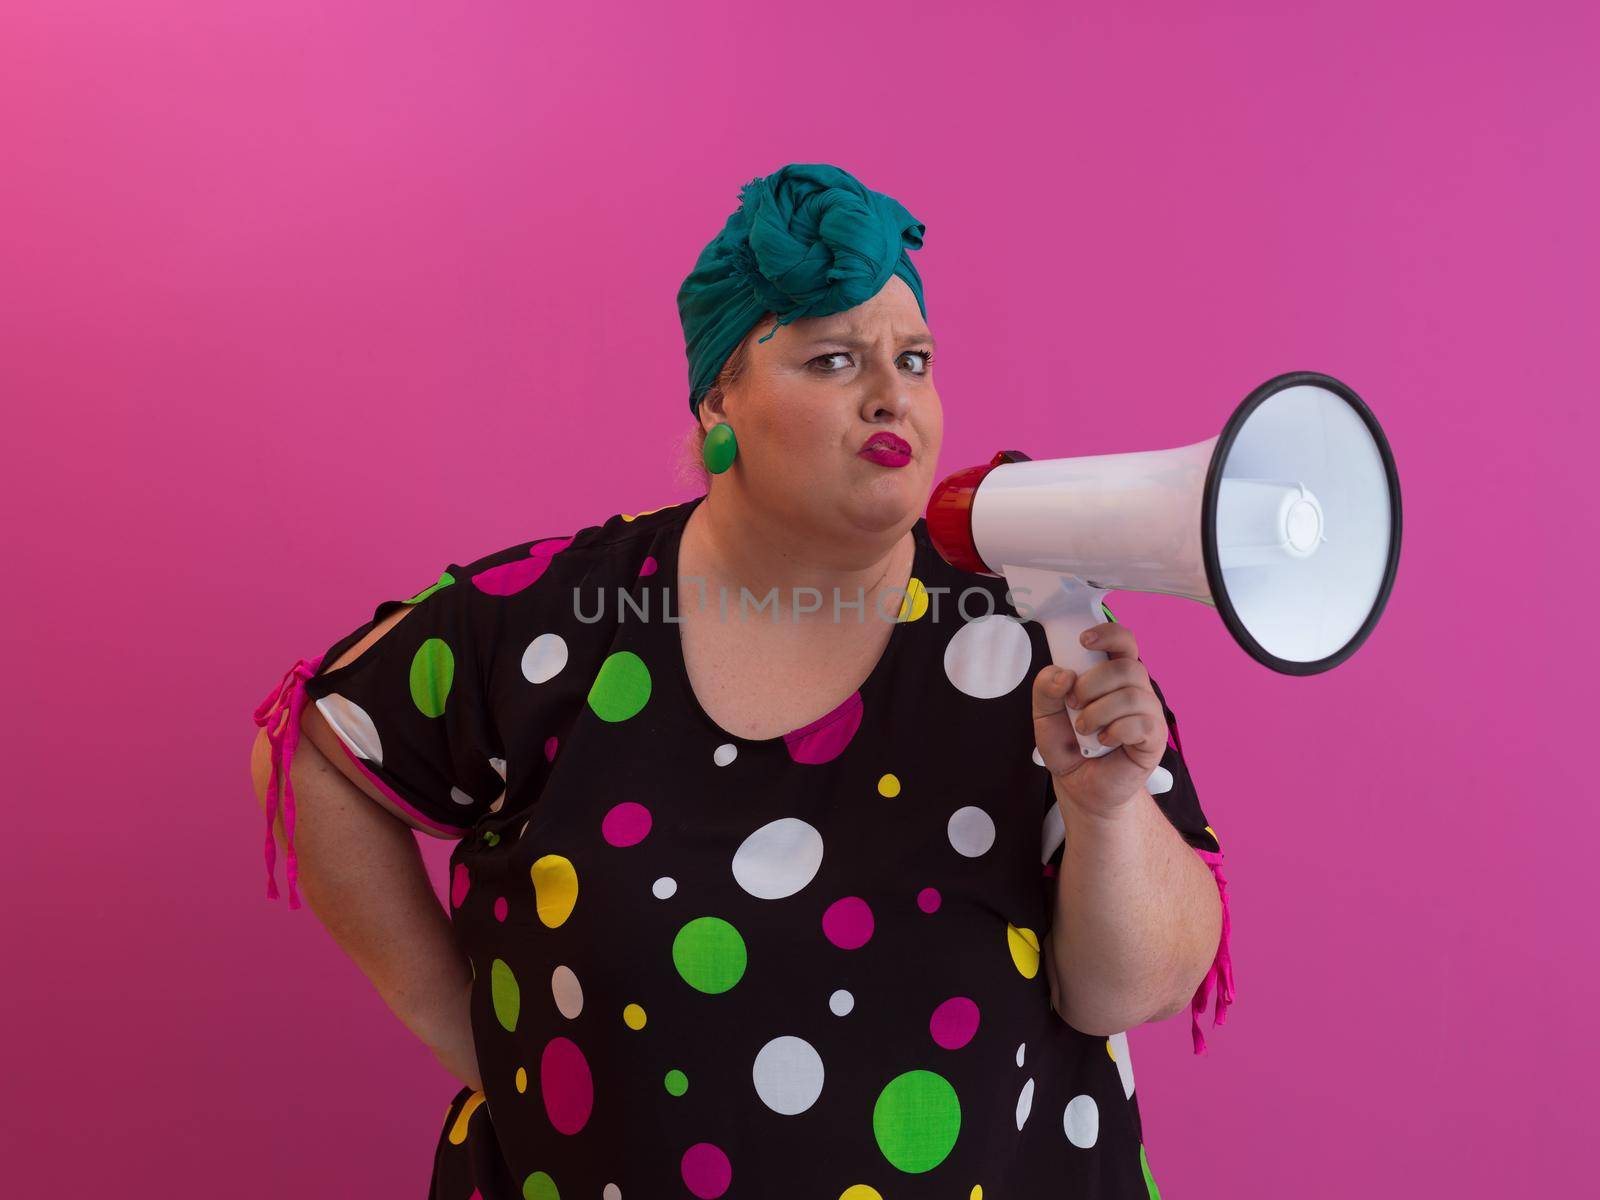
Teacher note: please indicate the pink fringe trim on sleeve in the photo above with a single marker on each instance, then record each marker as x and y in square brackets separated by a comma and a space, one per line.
[1220, 975]
[279, 715]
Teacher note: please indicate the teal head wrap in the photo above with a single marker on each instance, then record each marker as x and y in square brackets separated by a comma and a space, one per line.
[806, 241]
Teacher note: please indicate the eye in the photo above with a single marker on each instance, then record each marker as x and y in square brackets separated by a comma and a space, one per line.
[925, 355]
[826, 357]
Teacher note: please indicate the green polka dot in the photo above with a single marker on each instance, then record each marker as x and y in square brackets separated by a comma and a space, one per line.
[677, 1082]
[445, 580]
[433, 668]
[709, 954]
[539, 1186]
[507, 995]
[1149, 1179]
[916, 1120]
[491, 837]
[621, 687]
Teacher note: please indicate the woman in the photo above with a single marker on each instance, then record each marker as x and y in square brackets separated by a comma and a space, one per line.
[759, 894]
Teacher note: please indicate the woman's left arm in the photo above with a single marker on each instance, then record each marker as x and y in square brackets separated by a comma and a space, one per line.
[1137, 916]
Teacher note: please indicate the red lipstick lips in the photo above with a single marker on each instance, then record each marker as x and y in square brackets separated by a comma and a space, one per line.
[886, 449]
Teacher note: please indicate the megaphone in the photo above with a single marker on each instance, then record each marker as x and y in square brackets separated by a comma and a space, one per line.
[1287, 523]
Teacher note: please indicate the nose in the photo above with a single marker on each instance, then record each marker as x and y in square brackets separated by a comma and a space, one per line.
[885, 397]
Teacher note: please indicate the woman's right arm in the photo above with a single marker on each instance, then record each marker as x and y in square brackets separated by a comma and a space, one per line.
[362, 873]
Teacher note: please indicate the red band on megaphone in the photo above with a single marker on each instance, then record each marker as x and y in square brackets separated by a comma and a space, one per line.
[950, 513]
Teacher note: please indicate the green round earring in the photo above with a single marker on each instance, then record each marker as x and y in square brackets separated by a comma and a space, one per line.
[720, 448]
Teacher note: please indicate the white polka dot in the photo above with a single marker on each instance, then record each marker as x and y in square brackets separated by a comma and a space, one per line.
[499, 801]
[354, 727]
[971, 830]
[1124, 1057]
[499, 765]
[788, 1075]
[1081, 1120]
[565, 988]
[612, 1192]
[1021, 1046]
[778, 859]
[841, 1002]
[724, 754]
[544, 657]
[525, 825]
[1054, 833]
[664, 888]
[1024, 1103]
[988, 656]
[1160, 781]
[461, 797]
[1037, 757]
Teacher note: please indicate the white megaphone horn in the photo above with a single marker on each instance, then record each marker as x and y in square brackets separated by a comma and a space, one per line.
[1287, 523]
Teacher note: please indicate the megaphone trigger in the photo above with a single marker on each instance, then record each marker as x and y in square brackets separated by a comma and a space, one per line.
[1065, 606]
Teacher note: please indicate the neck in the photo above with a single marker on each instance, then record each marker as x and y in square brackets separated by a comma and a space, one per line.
[729, 545]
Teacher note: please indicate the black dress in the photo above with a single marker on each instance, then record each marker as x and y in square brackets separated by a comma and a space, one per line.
[704, 965]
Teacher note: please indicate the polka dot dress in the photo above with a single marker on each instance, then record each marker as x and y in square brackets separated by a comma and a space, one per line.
[709, 966]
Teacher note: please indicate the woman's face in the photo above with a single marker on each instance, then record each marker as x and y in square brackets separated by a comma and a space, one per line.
[813, 395]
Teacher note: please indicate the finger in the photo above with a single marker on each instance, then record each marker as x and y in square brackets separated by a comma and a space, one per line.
[1112, 637]
[1123, 702]
[1050, 686]
[1131, 730]
[1052, 723]
[1104, 678]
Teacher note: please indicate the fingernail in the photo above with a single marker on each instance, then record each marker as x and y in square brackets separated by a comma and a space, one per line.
[1089, 637]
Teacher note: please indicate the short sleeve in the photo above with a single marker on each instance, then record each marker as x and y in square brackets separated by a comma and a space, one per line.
[411, 710]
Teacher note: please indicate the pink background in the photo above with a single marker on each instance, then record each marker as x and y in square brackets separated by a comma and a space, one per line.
[301, 302]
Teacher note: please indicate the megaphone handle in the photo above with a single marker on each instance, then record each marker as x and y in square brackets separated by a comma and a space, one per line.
[1065, 605]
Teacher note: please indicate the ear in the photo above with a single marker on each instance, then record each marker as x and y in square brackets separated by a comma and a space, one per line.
[712, 409]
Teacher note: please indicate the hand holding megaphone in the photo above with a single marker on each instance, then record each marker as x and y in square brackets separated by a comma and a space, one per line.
[1287, 523]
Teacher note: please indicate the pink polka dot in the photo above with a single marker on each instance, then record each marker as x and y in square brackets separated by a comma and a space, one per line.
[825, 738]
[459, 882]
[928, 900]
[566, 1084]
[500, 908]
[550, 749]
[848, 923]
[648, 566]
[510, 578]
[1050, 869]
[954, 1022]
[706, 1170]
[626, 824]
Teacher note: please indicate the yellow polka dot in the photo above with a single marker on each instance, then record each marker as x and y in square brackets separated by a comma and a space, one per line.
[1024, 945]
[1213, 834]
[634, 1016]
[1111, 1050]
[645, 513]
[458, 1131]
[915, 601]
[888, 786]
[555, 888]
[977, 1191]
[522, 1079]
[860, 1191]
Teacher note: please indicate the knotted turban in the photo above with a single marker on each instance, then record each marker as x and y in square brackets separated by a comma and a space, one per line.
[805, 241]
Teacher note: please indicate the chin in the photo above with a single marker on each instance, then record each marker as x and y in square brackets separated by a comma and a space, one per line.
[886, 504]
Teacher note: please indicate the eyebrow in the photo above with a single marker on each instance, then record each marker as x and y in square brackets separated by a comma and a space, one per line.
[852, 338]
